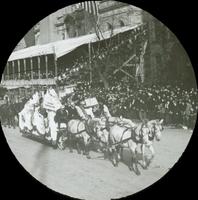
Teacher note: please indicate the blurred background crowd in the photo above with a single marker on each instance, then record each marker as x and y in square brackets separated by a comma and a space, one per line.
[106, 57]
[176, 106]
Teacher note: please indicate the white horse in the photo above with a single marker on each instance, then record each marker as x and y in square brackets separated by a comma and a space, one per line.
[125, 137]
[155, 133]
[98, 129]
[78, 135]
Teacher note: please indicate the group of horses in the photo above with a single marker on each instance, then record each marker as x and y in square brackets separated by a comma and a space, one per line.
[111, 136]
[9, 113]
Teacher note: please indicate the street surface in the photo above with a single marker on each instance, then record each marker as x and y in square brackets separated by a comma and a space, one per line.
[96, 178]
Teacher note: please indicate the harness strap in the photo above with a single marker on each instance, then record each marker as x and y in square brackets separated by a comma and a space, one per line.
[102, 129]
[151, 137]
[78, 132]
[140, 140]
[121, 140]
[124, 133]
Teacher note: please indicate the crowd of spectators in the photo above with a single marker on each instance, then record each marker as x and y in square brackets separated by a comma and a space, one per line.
[175, 105]
[106, 56]
[28, 76]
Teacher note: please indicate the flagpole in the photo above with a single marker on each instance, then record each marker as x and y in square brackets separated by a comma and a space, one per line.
[90, 68]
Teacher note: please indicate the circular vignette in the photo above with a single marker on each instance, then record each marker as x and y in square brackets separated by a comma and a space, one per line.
[180, 48]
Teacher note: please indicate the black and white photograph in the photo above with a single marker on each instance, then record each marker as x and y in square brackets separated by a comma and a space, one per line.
[98, 100]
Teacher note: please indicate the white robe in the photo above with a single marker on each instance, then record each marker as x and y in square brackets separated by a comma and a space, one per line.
[25, 117]
[53, 126]
[52, 103]
[39, 122]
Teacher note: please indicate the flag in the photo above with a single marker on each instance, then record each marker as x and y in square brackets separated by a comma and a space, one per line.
[89, 6]
[51, 100]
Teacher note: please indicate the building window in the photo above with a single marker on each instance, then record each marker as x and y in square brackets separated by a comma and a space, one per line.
[109, 26]
[121, 23]
[70, 25]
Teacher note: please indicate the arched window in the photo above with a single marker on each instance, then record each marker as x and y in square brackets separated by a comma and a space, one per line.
[70, 26]
[69, 20]
[109, 26]
[121, 23]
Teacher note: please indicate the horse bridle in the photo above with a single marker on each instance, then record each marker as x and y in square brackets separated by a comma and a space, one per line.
[153, 132]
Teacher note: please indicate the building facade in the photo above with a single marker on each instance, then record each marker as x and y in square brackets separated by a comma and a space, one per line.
[114, 14]
[69, 22]
[74, 21]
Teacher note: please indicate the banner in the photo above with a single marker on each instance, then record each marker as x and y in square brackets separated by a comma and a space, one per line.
[91, 102]
[51, 101]
[89, 6]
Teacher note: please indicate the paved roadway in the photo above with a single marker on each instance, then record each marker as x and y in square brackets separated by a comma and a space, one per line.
[74, 175]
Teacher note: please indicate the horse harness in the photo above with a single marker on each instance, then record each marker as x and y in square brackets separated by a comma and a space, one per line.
[153, 132]
[125, 140]
[140, 140]
[78, 132]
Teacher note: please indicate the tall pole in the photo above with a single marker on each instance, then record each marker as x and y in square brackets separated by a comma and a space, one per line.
[7, 67]
[85, 19]
[90, 67]
[13, 71]
[55, 62]
[39, 67]
[46, 66]
[24, 63]
[55, 66]
[19, 70]
[31, 68]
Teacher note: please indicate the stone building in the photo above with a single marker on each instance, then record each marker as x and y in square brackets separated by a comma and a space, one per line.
[74, 21]
[114, 14]
[165, 58]
[71, 21]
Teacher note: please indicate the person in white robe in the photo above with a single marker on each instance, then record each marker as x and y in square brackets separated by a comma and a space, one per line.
[26, 115]
[52, 103]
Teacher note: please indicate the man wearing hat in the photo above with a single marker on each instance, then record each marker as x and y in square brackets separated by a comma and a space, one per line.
[81, 110]
[101, 110]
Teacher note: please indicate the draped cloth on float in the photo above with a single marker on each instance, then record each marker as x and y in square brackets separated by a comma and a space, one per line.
[25, 116]
[39, 121]
[52, 103]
